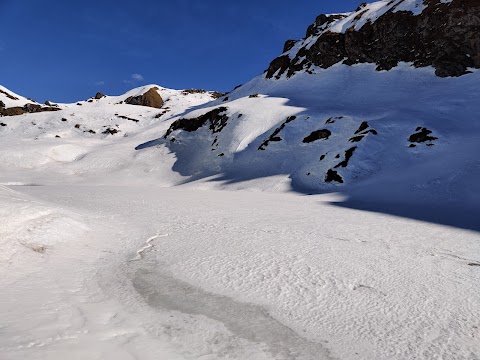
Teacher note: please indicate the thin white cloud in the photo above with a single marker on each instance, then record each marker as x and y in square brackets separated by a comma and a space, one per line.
[137, 77]
[134, 79]
[100, 83]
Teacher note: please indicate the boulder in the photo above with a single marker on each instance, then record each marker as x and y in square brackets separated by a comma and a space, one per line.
[151, 98]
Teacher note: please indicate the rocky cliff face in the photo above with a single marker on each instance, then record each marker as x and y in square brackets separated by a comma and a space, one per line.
[444, 34]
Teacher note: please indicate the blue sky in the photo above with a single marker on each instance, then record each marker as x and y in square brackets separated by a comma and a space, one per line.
[67, 50]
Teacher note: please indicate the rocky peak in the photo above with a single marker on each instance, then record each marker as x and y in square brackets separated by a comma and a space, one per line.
[444, 34]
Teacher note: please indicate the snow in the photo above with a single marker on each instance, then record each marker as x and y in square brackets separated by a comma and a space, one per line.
[369, 13]
[209, 266]
[414, 6]
[51, 304]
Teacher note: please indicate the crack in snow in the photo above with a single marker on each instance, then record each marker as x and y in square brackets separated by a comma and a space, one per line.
[148, 246]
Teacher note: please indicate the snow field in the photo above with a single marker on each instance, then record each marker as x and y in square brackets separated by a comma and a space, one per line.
[350, 284]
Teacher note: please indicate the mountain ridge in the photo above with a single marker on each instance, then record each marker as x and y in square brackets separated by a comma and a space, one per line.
[438, 33]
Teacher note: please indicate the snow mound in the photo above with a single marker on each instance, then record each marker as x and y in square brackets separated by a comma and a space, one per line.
[67, 153]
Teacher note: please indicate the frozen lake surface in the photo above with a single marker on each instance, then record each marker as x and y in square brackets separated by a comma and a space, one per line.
[119, 272]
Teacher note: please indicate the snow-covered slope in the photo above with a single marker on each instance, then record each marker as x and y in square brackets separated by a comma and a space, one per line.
[10, 99]
[344, 127]
[93, 139]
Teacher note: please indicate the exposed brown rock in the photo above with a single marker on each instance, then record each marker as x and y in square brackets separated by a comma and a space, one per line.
[13, 111]
[99, 95]
[151, 98]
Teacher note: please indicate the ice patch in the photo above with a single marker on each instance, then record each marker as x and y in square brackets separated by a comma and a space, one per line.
[246, 321]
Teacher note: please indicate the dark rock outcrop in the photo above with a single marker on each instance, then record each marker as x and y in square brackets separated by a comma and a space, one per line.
[333, 176]
[274, 136]
[213, 94]
[151, 98]
[363, 126]
[127, 118]
[348, 156]
[99, 95]
[216, 118]
[362, 131]
[445, 36]
[422, 135]
[317, 135]
[289, 44]
[193, 91]
[110, 131]
[10, 96]
[50, 104]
